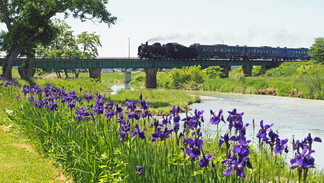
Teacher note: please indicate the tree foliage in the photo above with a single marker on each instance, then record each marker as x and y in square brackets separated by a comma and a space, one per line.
[29, 23]
[67, 45]
[317, 50]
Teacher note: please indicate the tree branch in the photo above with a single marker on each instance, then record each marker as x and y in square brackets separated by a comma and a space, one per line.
[53, 12]
[5, 14]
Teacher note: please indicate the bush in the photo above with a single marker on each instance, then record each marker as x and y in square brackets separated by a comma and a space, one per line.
[213, 72]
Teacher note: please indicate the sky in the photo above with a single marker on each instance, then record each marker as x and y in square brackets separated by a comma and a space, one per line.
[284, 23]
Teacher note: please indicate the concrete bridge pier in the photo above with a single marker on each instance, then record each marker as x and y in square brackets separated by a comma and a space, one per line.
[95, 73]
[247, 70]
[127, 76]
[226, 69]
[150, 79]
[267, 67]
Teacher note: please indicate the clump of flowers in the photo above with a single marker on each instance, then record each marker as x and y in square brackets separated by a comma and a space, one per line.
[303, 160]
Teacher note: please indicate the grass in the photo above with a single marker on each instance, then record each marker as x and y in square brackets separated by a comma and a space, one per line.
[20, 163]
[161, 101]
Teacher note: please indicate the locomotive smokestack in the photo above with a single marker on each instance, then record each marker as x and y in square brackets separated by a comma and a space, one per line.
[146, 43]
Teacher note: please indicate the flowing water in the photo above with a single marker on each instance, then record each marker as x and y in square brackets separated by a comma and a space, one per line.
[289, 116]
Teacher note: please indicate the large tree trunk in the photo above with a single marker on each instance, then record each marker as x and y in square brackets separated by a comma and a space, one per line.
[26, 71]
[10, 62]
[29, 70]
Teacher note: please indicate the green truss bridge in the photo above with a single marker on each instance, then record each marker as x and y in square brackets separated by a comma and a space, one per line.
[132, 63]
[150, 66]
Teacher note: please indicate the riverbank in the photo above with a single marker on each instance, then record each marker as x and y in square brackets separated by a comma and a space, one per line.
[120, 139]
[18, 154]
[290, 79]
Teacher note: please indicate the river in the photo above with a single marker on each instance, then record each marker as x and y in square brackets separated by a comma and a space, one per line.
[289, 116]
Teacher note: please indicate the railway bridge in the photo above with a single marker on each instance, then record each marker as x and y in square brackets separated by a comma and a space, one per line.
[150, 66]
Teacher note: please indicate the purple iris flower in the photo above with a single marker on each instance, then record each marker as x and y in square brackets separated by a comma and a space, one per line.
[155, 124]
[263, 131]
[81, 114]
[139, 170]
[310, 140]
[242, 148]
[237, 164]
[18, 97]
[175, 113]
[138, 132]
[31, 98]
[52, 106]
[39, 104]
[71, 104]
[176, 127]
[118, 109]
[161, 134]
[133, 114]
[204, 161]
[216, 119]
[124, 131]
[303, 159]
[193, 147]
[146, 114]
[226, 140]
[281, 145]
[166, 120]
[235, 120]
[87, 97]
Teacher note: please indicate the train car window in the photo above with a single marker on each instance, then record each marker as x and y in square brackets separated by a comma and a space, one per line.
[221, 49]
[236, 50]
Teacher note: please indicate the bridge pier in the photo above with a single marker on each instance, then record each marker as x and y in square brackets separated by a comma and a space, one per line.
[247, 70]
[226, 69]
[267, 67]
[127, 76]
[150, 79]
[95, 73]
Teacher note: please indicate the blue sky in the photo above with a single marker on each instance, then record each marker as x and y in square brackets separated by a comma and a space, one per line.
[285, 23]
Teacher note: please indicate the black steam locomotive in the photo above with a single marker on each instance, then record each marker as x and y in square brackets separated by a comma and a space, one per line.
[220, 51]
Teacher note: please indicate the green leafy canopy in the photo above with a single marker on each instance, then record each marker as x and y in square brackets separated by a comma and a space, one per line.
[29, 23]
[317, 50]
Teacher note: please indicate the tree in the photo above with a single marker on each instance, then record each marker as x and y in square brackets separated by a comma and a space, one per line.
[89, 44]
[63, 46]
[66, 45]
[29, 23]
[316, 51]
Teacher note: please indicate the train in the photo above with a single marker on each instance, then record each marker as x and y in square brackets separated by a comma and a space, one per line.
[176, 51]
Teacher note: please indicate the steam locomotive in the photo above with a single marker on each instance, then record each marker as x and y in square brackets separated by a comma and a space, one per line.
[177, 51]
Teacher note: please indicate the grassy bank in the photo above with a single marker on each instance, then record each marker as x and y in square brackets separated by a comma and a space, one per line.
[18, 159]
[292, 79]
[21, 162]
[108, 143]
